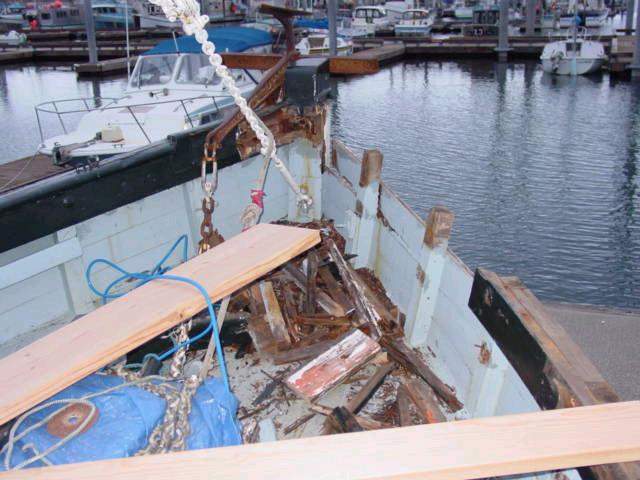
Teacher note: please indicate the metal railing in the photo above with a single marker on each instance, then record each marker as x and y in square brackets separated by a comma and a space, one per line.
[103, 104]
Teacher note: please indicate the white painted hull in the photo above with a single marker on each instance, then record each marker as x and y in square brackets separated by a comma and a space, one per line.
[413, 30]
[581, 66]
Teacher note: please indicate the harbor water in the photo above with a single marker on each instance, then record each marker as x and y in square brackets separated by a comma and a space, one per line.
[541, 172]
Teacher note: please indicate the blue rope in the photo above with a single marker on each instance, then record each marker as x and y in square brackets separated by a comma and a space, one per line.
[159, 272]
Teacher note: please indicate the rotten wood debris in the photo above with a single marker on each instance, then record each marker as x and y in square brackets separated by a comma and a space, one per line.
[331, 348]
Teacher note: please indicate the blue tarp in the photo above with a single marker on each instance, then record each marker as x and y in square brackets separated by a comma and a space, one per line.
[320, 24]
[226, 39]
[125, 419]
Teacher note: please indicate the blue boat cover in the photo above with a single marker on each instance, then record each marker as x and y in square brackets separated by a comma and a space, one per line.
[126, 417]
[226, 39]
[318, 24]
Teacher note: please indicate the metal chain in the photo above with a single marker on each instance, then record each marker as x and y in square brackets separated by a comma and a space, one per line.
[188, 12]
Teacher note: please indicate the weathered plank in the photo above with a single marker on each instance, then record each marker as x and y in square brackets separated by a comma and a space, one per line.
[344, 420]
[333, 366]
[273, 315]
[404, 355]
[423, 398]
[305, 352]
[486, 447]
[552, 366]
[404, 406]
[65, 356]
[325, 301]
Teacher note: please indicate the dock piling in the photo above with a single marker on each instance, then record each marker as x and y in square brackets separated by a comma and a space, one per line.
[629, 19]
[91, 32]
[503, 32]
[635, 63]
[333, 28]
[531, 17]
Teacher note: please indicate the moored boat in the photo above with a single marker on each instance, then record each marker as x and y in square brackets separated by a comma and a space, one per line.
[172, 87]
[573, 56]
[415, 22]
[469, 345]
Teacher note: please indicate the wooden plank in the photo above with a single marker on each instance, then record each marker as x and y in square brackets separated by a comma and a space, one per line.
[344, 420]
[312, 272]
[368, 389]
[401, 353]
[100, 337]
[274, 316]
[303, 353]
[333, 366]
[334, 289]
[325, 301]
[404, 406]
[554, 369]
[477, 448]
[423, 398]
[365, 393]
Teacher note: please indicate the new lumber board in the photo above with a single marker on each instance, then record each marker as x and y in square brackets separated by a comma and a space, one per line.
[477, 448]
[67, 355]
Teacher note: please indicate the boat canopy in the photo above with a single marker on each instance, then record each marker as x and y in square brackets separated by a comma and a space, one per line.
[318, 24]
[226, 39]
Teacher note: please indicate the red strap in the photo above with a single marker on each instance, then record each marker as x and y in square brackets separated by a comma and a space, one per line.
[257, 196]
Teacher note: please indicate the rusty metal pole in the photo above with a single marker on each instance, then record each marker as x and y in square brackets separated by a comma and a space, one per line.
[333, 27]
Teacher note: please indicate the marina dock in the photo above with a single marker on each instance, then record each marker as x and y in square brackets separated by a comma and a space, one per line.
[249, 245]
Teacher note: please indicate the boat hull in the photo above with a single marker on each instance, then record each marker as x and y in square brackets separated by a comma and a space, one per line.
[580, 66]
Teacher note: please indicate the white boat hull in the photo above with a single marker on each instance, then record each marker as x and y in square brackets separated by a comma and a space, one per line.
[570, 66]
[413, 30]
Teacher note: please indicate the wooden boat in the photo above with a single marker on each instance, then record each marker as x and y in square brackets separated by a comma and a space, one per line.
[482, 341]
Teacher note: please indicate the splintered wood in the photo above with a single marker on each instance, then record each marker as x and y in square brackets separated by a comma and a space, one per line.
[100, 337]
[333, 366]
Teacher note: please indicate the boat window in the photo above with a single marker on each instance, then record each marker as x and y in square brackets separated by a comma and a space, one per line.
[153, 70]
[61, 14]
[362, 13]
[570, 46]
[45, 16]
[75, 12]
[316, 42]
[195, 68]
[111, 10]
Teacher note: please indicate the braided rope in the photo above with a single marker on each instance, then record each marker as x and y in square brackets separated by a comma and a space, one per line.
[193, 23]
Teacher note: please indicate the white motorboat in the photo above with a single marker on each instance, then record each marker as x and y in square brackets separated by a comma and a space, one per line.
[573, 56]
[595, 18]
[371, 19]
[172, 88]
[318, 44]
[416, 22]
[13, 38]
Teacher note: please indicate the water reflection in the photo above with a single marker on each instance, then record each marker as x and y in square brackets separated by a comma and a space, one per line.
[541, 171]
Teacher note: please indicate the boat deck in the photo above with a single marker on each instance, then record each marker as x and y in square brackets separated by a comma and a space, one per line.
[27, 170]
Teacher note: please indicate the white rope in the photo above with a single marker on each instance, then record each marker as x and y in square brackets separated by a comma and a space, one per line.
[188, 12]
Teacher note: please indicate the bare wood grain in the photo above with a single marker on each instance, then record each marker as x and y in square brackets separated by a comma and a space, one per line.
[486, 447]
[54, 362]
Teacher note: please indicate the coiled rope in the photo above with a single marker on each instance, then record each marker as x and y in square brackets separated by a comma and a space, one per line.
[172, 431]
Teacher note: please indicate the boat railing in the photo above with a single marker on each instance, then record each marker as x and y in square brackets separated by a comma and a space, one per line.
[67, 107]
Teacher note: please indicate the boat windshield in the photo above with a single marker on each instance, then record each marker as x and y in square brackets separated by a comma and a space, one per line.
[368, 13]
[414, 15]
[153, 70]
[195, 68]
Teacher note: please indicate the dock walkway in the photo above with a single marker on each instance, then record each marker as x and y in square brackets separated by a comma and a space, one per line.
[609, 337]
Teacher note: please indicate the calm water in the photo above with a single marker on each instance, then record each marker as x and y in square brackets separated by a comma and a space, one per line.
[540, 172]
